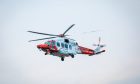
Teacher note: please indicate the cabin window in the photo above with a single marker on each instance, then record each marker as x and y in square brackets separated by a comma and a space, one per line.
[66, 45]
[58, 44]
[70, 47]
[62, 44]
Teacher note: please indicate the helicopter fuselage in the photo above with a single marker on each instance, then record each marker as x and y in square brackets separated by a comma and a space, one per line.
[64, 47]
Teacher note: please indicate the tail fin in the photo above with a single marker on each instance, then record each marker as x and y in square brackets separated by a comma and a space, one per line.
[99, 46]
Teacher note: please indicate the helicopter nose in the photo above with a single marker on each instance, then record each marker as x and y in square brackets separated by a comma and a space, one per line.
[42, 46]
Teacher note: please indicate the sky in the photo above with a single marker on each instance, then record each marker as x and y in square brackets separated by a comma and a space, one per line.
[115, 21]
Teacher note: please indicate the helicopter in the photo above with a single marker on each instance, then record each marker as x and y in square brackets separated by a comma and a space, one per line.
[62, 46]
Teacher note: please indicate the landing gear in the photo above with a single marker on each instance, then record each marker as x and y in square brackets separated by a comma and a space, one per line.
[72, 55]
[62, 58]
[46, 53]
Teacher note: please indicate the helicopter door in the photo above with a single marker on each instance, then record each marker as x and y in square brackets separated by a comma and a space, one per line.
[64, 48]
[52, 45]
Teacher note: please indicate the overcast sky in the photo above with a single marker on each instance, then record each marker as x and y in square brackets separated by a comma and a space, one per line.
[116, 22]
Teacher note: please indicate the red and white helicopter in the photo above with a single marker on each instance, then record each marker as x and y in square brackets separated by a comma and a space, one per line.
[61, 46]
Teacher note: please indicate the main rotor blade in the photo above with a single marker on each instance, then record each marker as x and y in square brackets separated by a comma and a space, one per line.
[42, 33]
[42, 39]
[68, 29]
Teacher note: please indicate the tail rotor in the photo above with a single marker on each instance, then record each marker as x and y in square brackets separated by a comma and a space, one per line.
[99, 41]
[99, 46]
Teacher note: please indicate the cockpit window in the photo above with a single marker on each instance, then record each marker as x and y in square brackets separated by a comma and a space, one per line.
[53, 43]
[47, 43]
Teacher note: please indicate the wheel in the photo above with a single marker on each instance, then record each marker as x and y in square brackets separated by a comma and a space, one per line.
[46, 53]
[62, 58]
[72, 56]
